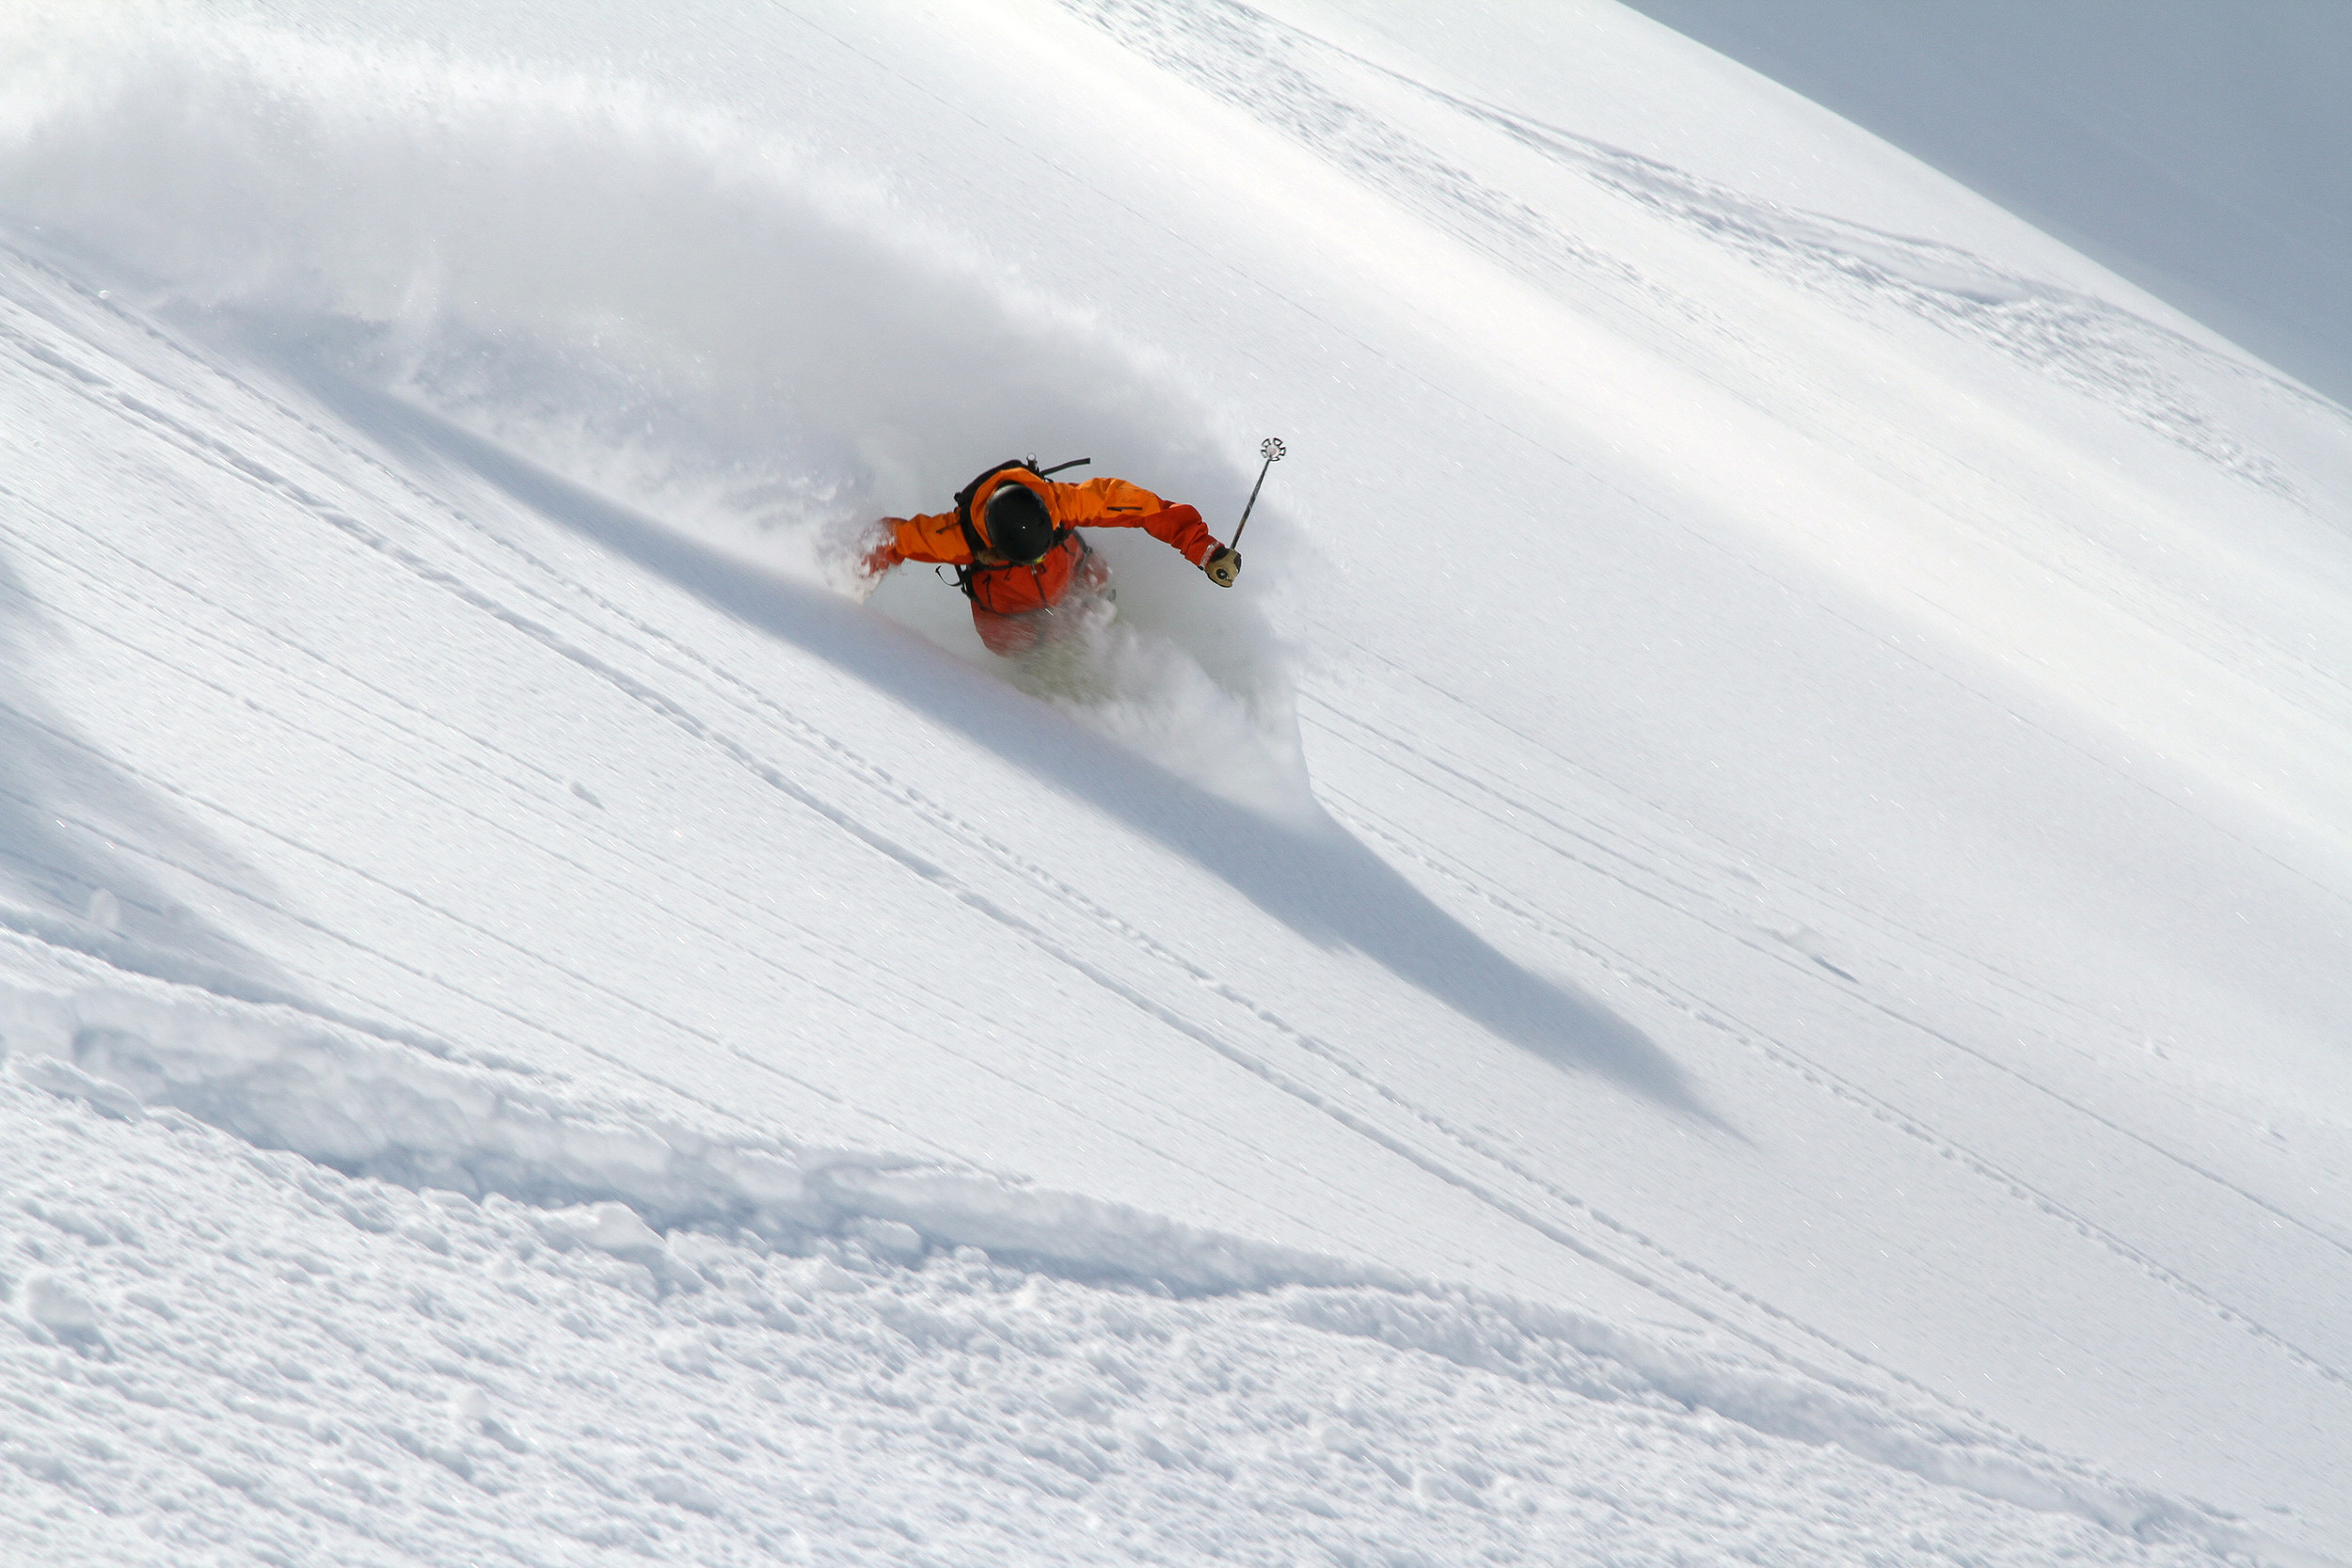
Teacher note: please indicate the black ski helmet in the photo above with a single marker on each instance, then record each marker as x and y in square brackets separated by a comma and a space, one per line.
[1017, 524]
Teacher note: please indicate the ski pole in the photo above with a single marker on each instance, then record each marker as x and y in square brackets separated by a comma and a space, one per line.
[1271, 449]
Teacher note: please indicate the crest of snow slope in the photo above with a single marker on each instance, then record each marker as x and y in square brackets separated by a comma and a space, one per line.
[1833, 880]
[2193, 148]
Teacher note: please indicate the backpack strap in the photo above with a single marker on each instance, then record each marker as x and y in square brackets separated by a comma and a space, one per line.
[971, 531]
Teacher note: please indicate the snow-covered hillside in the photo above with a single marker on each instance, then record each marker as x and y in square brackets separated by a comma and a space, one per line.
[1731, 948]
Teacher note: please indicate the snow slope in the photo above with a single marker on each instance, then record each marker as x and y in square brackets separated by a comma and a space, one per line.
[1731, 945]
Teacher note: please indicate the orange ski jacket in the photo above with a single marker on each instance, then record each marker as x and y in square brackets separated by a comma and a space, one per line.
[1011, 589]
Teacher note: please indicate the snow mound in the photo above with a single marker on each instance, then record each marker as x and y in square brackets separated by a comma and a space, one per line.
[230, 1344]
[377, 1107]
[469, 1162]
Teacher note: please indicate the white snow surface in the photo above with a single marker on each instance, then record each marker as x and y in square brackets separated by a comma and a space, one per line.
[1731, 950]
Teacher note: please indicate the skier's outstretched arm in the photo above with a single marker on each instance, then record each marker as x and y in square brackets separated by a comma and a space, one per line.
[1097, 504]
[1116, 504]
[935, 536]
[889, 542]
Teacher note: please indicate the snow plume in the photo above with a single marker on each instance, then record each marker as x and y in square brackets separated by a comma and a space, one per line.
[1136, 685]
[544, 253]
[684, 311]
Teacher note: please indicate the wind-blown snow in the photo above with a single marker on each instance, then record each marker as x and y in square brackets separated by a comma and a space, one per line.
[1729, 947]
[333, 204]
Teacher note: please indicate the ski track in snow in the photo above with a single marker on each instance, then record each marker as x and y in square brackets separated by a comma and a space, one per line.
[115, 1045]
[1713, 1015]
[1653, 876]
[1542, 828]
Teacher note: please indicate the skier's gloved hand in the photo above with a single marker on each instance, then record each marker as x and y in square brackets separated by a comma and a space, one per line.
[1223, 565]
[855, 558]
[882, 551]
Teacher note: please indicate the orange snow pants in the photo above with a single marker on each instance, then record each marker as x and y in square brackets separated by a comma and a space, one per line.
[1016, 609]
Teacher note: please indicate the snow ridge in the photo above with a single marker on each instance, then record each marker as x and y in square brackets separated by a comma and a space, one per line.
[253, 1350]
[623, 1181]
[367, 1105]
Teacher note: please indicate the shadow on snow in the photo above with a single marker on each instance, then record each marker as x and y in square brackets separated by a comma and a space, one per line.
[76, 827]
[1320, 881]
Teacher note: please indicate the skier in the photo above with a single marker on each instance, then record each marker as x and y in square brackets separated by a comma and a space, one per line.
[1013, 541]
